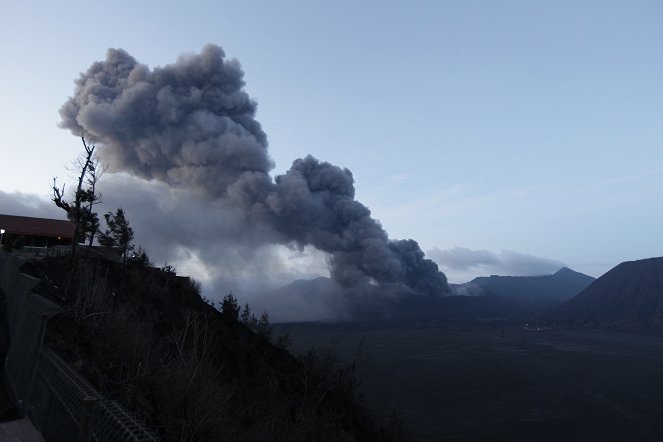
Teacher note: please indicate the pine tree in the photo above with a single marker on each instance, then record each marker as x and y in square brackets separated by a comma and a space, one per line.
[230, 309]
[118, 234]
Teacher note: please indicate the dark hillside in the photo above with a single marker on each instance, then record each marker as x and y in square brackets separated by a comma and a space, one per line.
[8, 411]
[628, 296]
[146, 338]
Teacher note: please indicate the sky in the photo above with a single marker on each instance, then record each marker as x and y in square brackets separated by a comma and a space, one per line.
[510, 137]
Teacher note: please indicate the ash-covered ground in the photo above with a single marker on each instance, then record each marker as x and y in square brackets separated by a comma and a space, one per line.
[502, 382]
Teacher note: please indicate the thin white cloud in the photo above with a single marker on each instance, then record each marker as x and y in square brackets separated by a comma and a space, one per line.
[462, 264]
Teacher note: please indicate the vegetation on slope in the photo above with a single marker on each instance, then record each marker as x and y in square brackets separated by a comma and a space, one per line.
[147, 338]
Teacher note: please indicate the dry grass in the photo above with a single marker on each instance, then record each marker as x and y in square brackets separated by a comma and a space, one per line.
[146, 338]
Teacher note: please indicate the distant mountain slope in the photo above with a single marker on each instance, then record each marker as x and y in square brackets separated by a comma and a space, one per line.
[322, 299]
[560, 286]
[629, 295]
[319, 299]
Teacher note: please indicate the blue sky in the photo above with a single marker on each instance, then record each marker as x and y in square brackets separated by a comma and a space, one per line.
[473, 127]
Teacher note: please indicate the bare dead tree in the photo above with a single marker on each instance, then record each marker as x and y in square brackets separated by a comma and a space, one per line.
[76, 210]
[93, 198]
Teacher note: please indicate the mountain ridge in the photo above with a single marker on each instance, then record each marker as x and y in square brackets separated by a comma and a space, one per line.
[323, 299]
[559, 286]
[629, 295]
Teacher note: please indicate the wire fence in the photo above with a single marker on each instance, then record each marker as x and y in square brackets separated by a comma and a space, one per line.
[57, 399]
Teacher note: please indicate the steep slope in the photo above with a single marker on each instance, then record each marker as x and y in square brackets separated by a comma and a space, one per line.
[560, 286]
[629, 295]
[146, 338]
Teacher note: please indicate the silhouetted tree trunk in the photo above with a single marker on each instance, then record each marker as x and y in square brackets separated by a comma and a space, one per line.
[76, 211]
[93, 198]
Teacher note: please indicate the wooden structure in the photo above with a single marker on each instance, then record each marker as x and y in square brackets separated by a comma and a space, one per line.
[36, 232]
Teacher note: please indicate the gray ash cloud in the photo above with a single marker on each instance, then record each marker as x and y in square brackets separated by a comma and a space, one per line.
[191, 125]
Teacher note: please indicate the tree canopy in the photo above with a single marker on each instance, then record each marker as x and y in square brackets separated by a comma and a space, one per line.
[118, 234]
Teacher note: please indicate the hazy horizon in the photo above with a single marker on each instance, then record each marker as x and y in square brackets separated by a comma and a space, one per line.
[510, 138]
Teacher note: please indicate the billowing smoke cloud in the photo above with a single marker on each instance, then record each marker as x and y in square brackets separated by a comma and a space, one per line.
[173, 226]
[207, 239]
[191, 125]
[467, 263]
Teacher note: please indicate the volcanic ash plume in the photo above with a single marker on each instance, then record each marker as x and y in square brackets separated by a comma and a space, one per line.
[191, 125]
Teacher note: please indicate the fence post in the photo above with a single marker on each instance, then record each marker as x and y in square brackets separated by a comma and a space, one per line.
[86, 419]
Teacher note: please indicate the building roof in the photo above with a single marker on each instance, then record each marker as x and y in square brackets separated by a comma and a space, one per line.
[27, 225]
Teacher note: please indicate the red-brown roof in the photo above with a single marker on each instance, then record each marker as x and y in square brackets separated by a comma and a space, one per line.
[26, 225]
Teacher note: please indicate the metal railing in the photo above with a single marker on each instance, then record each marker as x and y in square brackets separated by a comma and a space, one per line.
[35, 251]
[72, 406]
[57, 399]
